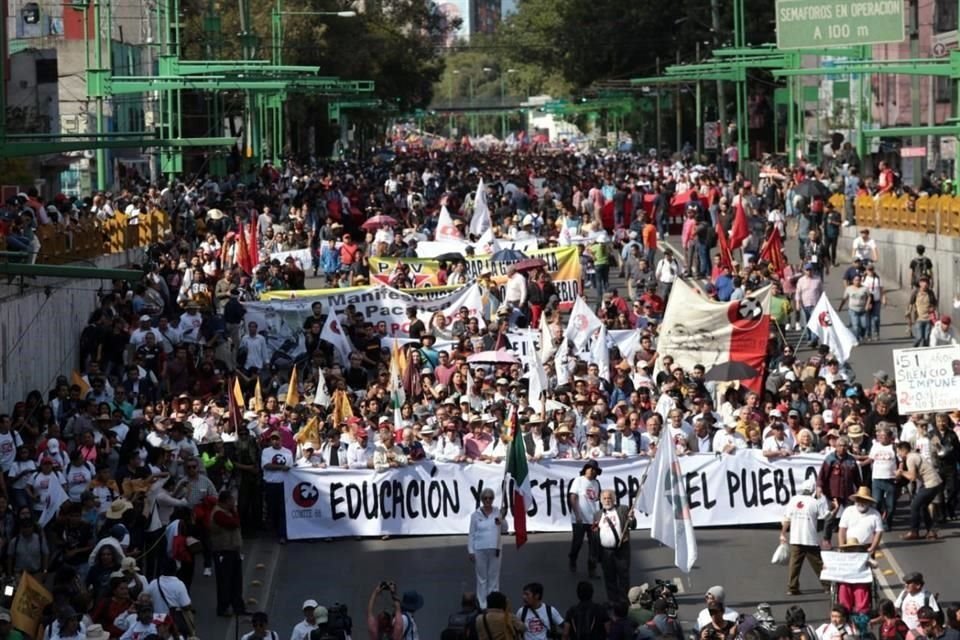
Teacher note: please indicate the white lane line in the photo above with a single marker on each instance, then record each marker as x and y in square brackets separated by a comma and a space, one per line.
[885, 582]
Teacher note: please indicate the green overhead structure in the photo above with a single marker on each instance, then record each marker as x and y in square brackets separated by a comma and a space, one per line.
[266, 86]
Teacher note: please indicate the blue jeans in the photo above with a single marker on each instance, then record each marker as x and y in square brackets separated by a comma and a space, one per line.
[921, 333]
[601, 279]
[885, 493]
[703, 259]
[874, 328]
[859, 323]
[918, 508]
[807, 335]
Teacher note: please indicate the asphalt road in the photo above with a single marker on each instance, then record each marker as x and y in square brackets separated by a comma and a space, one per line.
[279, 578]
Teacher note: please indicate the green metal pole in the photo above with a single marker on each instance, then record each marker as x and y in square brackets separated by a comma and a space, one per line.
[101, 153]
[791, 141]
[699, 114]
[503, 115]
[914, 34]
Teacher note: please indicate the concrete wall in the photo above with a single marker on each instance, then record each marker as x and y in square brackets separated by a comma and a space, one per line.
[898, 248]
[39, 334]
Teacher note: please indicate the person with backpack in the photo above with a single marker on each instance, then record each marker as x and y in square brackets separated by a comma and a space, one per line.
[586, 620]
[261, 631]
[796, 619]
[540, 621]
[461, 625]
[662, 626]
[913, 598]
[892, 626]
[497, 622]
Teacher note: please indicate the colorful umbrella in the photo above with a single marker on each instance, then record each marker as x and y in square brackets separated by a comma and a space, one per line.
[379, 221]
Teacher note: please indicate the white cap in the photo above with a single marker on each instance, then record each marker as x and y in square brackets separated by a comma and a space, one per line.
[310, 604]
[828, 416]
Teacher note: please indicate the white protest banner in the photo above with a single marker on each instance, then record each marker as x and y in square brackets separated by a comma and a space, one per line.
[928, 379]
[845, 567]
[378, 303]
[303, 257]
[435, 248]
[430, 498]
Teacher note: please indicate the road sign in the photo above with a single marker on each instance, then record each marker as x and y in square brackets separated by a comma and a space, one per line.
[815, 24]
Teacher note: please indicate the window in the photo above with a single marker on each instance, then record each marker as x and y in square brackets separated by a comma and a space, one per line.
[46, 71]
[945, 16]
[943, 89]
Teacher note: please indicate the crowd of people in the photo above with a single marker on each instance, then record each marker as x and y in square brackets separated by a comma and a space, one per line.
[159, 472]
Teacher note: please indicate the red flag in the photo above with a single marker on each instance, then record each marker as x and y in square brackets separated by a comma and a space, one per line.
[723, 244]
[739, 231]
[772, 252]
[243, 251]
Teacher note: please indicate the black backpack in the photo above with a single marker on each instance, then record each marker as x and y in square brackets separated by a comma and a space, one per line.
[462, 626]
[339, 625]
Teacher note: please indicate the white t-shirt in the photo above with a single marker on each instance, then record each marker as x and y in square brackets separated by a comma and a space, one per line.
[174, 591]
[862, 526]
[77, 480]
[8, 448]
[302, 630]
[909, 604]
[864, 250]
[538, 621]
[41, 483]
[828, 631]
[884, 461]
[588, 497]
[275, 456]
[802, 512]
[703, 618]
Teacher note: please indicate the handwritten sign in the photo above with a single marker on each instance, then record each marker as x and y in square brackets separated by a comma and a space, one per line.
[928, 379]
[850, 568]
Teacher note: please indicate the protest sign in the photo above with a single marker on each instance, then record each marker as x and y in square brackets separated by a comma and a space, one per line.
[434, 248]
[437, 498]
[928, 379]
[563, 265]
[849, 568]
[29, 602]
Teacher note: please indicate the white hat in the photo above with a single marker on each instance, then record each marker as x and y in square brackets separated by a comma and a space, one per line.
[310, 604]
[527, 220]
[775, 413]
[428, 430]
[829, 417]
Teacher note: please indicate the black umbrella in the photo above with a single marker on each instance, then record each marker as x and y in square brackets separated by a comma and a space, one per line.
[450, 257]
[733, 370]
[811, 189]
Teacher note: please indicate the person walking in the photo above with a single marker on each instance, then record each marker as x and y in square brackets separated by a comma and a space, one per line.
[275, 461]
[612, 524]
[226, 542]
[923, 304]
[583, 499]
[915, 468]
[858, 300]
[800, 529]
[484, 545]
[839, 477]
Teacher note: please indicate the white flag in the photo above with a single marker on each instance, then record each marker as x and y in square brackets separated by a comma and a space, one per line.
[826, 325]
[664, 497]
[560, 363]
[334, 333]
[600, 353]
[322, 397]
[583, 322]
[538, 381]
[546, 339]
[480, 221]
[445, 227]
[56, 496]
[627, 341]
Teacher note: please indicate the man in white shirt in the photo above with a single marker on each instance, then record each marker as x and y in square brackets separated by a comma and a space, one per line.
[667, 272]
[333, 452]
[912, 598]
[728, 440]
[861, 521]
[613, 531]
[139, 335]
[839, 628]
[715, 596]
[168, 591]
[301, 631]
[190, 323]
[255, 345]
[775, 445]
[883, 462]
[537, 617]
[276, 461]
[583, 498]
[360, 453]
[388, 455]
[515, 293]
[800, 522]
[865, 247]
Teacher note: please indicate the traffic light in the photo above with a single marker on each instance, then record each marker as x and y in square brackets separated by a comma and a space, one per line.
[30, 13]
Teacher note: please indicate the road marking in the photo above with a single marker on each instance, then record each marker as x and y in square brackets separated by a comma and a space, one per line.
[897, 570]
[266, 585]
[680, 588]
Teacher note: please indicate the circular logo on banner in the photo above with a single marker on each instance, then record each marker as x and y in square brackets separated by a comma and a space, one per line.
[746, 313]
[580, 321]
[335, 327]
[305, 495]
[824, 319]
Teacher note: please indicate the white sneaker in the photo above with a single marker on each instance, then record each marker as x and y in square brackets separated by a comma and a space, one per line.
[208, 572]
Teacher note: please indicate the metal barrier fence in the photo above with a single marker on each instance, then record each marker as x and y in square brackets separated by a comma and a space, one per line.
[927, 214]
[92, 238]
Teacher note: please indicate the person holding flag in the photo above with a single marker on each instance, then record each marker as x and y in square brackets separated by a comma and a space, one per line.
[612, 525]
[484, 544]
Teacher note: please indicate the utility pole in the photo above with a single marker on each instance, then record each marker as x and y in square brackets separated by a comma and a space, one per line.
[721, 98]
[659, 115]
[916, 163]
[699, 112]
[678, 108]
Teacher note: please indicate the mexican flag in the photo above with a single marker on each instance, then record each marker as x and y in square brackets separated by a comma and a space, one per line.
[519, 473]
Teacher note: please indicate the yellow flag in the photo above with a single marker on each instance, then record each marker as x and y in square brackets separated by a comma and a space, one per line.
[238, 395]
[341, 407]
[399, 356]
[29, 601]
[293, 394]
[77, 379]
[258, 397]
[310, 432]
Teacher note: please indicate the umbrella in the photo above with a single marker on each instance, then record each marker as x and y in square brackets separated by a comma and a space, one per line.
[529, 264]
[379, 221]
[733, 370]
[493, 357]
[450, 256]
[507, 255]
[811, 189]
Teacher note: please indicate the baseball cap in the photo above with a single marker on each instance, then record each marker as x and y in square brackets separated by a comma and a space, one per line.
[926, 614]
[310, 604]
[321, 614]
[913, 576]
[4, 616]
